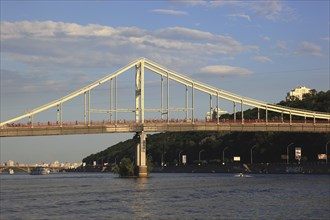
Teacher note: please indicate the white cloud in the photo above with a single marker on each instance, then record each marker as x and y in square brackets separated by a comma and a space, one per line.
[274, 10]
[191, 2]
[282, 45]
[50, 49]
[309, 49]
[242, 15]
[223, 3]
[265, 38]
[263, 59]
[92, 45]
[223, 70]
[169, 12]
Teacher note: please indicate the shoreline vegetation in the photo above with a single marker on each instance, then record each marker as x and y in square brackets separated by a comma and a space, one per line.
[283, 168]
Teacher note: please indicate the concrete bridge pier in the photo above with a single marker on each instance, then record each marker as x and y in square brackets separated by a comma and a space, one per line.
[141, 169]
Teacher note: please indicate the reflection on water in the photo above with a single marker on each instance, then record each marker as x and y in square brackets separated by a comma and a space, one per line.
[164, 196]
[141, 199]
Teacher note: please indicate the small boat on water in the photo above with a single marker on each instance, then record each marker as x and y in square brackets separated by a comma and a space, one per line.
[11, 171]
[39, 171]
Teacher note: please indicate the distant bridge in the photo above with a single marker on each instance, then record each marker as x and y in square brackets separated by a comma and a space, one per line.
[27, 168]
[285, 120]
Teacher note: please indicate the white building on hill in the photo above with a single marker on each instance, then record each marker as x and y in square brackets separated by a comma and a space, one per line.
[298, 93]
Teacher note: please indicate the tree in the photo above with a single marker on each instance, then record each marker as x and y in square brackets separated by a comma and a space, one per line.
[125, 168]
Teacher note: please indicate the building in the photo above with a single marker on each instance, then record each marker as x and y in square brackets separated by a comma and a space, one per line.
[212, 115]
[298, 93]
[10, 163]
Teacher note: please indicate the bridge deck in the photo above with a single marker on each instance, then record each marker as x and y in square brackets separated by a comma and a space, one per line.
[98, 128]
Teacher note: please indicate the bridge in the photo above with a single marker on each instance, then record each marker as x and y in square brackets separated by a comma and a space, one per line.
[275, 118]
[27, 168]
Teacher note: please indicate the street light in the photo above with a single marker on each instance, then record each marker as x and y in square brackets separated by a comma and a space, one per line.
[287, 153]
[223, 155]
[180, 156]
[163, 154]
[254, 146]
[199, 154]
[326, 152]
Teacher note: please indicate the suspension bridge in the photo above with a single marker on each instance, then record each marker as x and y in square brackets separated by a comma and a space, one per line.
[162, 120]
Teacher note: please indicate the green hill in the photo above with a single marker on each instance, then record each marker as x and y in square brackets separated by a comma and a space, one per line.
[269, 146]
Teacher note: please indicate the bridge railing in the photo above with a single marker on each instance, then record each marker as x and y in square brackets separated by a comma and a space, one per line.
[159, 121]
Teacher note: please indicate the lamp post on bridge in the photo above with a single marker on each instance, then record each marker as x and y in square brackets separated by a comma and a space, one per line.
[223, 155]
[254, 146]
[163, 154]
[326, 152]
[180, 157]
[287, 153]
[199, 154]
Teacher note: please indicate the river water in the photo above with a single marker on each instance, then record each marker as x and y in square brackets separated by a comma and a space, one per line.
[165, 196]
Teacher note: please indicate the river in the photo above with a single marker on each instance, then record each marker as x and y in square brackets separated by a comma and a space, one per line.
[165, 196]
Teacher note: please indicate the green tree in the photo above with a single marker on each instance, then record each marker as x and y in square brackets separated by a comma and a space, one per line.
[124, 168]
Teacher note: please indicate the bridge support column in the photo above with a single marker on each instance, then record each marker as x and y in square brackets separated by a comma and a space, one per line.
[141, 169]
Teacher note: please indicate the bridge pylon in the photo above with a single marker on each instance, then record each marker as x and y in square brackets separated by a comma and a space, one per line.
[139, 92]
[141, 169]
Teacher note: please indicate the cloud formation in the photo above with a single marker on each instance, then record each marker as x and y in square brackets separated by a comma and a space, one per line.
[274, 10]
[242, 15]
[309, 49]
[263, 59]
[59, 47]
[169, 12]
[223, 70]
[94, 45]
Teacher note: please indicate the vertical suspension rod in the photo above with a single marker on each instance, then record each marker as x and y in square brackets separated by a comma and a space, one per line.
[234, 111]
[89, 107]
[242, 112]
[192, 104]
[258, 114]
[211, 115]
[85, 111]
[187, 103]
[116, 100]
[110, 96]
[57, 114]
[218, 108]
[162, 96]
[31, 120]
[168, 98]
[290, 118]
[61, 117]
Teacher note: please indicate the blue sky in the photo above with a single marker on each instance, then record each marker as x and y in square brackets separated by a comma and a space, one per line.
[258, 49]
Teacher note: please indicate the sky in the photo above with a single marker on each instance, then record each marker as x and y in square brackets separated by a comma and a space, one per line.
[257, 49]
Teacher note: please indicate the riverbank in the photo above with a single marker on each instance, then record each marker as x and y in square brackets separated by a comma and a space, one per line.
[278, 168]
[310, 168]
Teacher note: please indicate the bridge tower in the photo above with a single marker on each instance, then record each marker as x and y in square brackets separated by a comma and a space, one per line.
[141, 163]
[139, 92]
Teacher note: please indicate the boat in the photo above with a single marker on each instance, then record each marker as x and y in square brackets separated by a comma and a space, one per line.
[11, 171]
[39, 171]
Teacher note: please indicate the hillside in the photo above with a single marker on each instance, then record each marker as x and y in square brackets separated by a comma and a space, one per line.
[269, 146]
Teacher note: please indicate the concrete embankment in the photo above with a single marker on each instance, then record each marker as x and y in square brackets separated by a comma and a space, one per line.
[310, 168]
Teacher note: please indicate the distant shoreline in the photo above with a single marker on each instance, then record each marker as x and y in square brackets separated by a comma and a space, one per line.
[247, 168]
[276, 168]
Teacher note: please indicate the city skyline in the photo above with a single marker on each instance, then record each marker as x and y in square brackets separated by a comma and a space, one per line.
[260, 50]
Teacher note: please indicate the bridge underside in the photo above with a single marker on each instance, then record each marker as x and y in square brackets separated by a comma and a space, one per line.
[163, 127]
